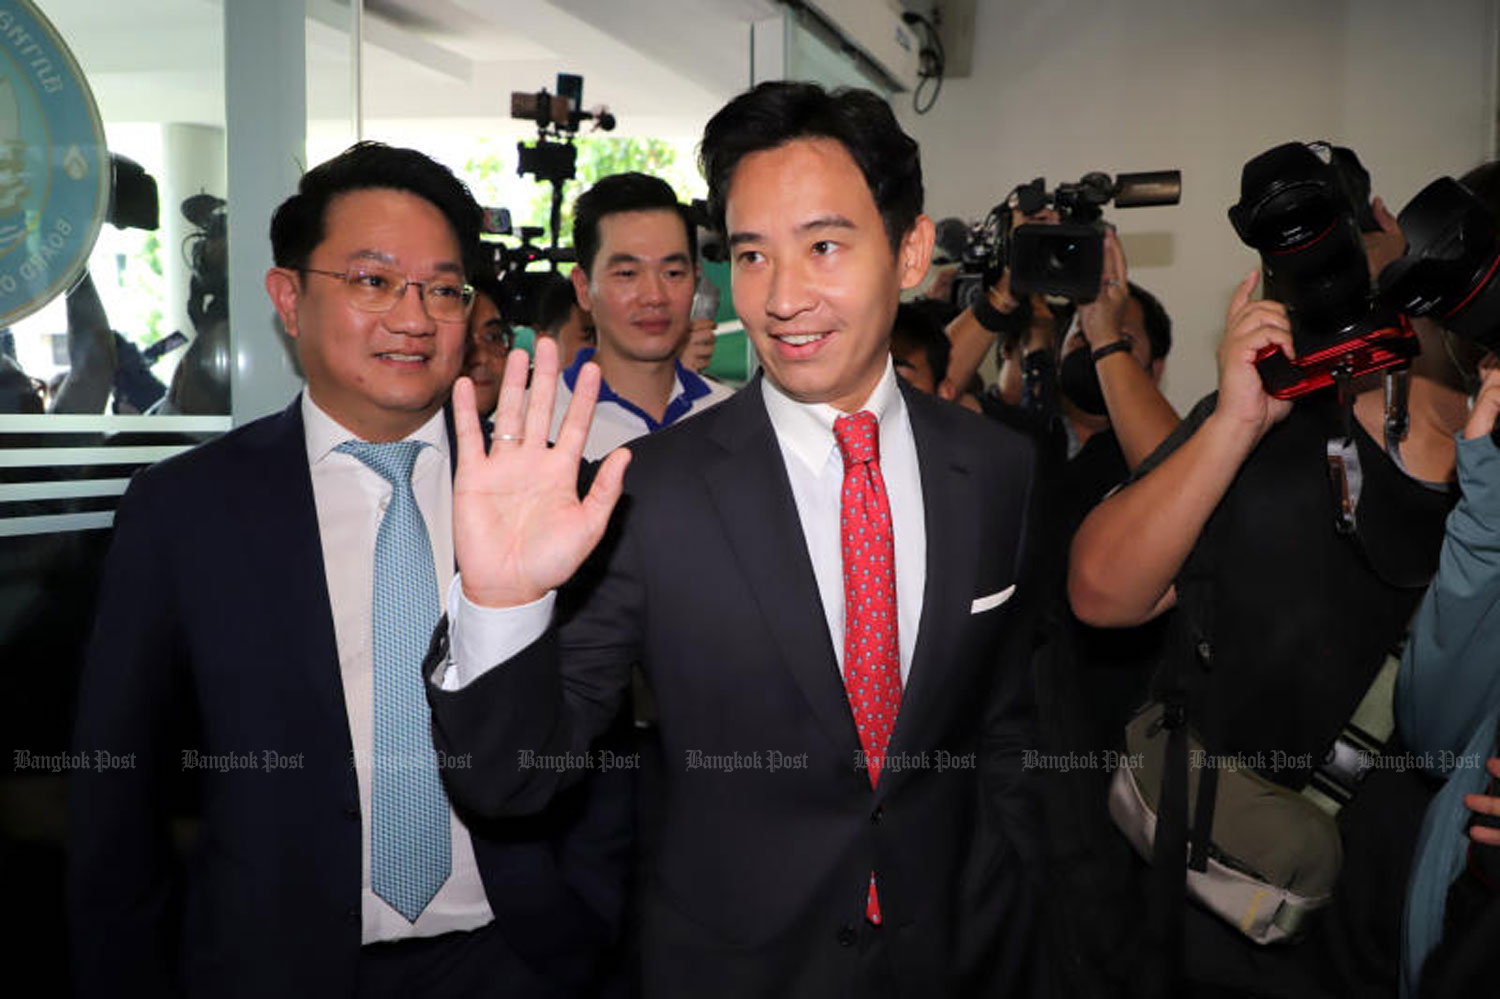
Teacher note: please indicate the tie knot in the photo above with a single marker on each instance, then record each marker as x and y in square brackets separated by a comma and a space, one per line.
[858, 435]
[392, 462]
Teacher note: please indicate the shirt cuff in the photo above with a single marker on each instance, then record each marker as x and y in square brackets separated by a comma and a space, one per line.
[479, 638]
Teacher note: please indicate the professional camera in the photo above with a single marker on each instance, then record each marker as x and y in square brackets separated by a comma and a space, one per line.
[1064, 259]
[553, 157]
[1448, 271]
[520, 286]
[1301, 206]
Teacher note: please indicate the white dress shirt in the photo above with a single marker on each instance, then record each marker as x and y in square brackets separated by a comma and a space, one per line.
[351, 499]
[480, 637]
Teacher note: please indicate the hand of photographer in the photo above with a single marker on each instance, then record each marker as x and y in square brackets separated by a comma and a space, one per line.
[1487, 805]
[1245, 408]
[1140, 416]
[1486, 402]
[699, 350]
[1101, 320]
[519, 528]
[1129, 550]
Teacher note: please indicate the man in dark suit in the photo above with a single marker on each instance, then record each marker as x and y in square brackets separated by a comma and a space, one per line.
[842, 804]
[281, 582]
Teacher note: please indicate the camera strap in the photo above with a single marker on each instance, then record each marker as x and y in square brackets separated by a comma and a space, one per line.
[1345, 475]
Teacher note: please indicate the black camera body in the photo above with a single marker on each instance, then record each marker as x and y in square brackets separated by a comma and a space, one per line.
[1064, 259]
[1303, 207]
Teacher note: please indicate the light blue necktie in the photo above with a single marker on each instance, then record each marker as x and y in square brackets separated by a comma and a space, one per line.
[410, 849]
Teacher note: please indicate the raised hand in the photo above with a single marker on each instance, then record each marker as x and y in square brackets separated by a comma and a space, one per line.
[1486, 402]
[519, 528]
[1251, 325]
[1100, 319]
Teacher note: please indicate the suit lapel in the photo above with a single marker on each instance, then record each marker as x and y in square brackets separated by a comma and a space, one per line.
[282, 542]
[950, 510]
[751, 493]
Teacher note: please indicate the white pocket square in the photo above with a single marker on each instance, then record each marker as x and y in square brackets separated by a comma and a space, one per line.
[992, 601]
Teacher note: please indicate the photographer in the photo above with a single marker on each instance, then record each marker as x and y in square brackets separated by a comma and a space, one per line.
[1273, 659]
[1447, 706]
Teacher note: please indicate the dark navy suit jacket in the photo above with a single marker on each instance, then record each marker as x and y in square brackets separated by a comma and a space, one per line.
[757, 862]
[214, 605]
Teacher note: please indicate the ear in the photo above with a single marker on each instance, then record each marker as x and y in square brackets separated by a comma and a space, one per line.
[285, 289]
[915, 253]
[1157, 367]
[581, 289]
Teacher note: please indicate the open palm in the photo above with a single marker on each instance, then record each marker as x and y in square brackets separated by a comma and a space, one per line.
[519, 527]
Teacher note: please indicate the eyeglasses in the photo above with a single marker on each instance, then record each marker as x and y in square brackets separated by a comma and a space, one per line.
[496, 337]
[372, 288]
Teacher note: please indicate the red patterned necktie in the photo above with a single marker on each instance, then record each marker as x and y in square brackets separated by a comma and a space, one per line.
[872, 653]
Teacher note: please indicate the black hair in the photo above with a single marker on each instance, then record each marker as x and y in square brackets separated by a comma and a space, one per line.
[298, 225]
[487, 283]
[918, 326]
[777, 112]
[1158, 323]
[555, 302]
[624, 192]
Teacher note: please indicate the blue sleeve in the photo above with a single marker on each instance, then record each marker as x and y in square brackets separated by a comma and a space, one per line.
[1449, 684]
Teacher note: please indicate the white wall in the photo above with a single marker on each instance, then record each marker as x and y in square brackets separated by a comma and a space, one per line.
[1061, 87]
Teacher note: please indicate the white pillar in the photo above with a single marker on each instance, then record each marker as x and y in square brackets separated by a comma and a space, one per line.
[265, 96]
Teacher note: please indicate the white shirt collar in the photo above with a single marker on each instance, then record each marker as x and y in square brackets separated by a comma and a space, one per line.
[324, 433]
[806, 428]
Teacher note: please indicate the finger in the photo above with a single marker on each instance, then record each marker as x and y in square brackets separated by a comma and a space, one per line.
[1242, 293]
[543, 394]
[1114, 257]
[945, 390]
[466, 423]
[574, 431]
[1493, 766]
[608, 483]
[512, 397]
[1485, 835]
[1486, 408]
[1482, 804]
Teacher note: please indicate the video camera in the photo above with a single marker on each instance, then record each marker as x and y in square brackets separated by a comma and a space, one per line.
[553, 157]
[1064, 259]
[520, 288]
[1303, 206]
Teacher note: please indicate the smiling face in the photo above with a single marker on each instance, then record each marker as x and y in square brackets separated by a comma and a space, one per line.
[380, 375]
[639, 288]
[815, 281]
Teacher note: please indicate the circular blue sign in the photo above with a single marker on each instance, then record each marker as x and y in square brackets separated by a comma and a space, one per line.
[54, 164]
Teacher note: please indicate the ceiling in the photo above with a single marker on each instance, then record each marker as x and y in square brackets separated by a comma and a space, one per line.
[662, 66]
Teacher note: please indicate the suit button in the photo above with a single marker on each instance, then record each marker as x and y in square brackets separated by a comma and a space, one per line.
[351, 811]
[351, 915]
[877, 815]
[847, 936]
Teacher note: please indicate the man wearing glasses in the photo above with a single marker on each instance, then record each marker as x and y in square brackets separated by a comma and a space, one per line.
[289, 608]
[490, 340]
